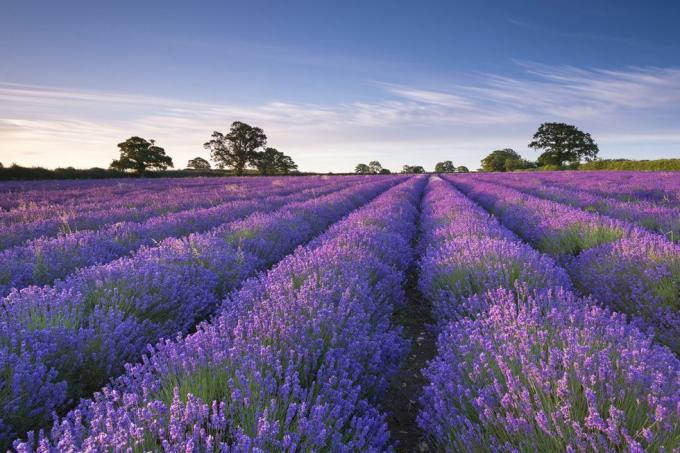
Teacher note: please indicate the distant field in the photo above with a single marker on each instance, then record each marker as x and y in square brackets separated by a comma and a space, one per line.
[535, 311]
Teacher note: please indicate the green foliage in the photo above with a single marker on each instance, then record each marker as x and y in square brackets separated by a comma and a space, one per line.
[504, 160]
[563, 143]
[373, 168]
[139, 155]
[444, 167]
[272, 161]
[362, 169]
[632, 165]
[576, 238]
[462, 169]
[417, 169]
[198, 163]
[238, 148]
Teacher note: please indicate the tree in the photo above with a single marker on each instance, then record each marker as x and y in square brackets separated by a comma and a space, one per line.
[462, 169]
[444, 167]
[272, 161]
[385, 171]
[514, 164]
[563, 143]
[198, 163]
[285, 164]
[238, 148]
[375, 167]
[140, 155]
[502, 160]
[412, 169]
[265, 161]
[362, 169]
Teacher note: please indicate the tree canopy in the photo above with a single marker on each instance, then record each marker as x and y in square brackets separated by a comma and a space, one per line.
[504, 160]
[444, 167]
[362, 169]
[462, 169]
[198, 163]
[412, 169]
[563, 143]
[375, 167]
[272, 161]
[139, 155]
[237, 149]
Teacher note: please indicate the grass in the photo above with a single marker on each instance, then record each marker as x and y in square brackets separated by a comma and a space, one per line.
[576, 238]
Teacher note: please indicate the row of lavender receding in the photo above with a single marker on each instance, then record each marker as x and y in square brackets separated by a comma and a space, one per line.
[63, 342]
[662, 188]
[295, 361]
[621, 264]
[17, 196]
[43, 260]
[655, 217]
[522, 363]
[21, 225]
[41, 199]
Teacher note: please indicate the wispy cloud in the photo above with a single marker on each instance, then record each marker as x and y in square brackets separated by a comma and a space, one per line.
[460, 121]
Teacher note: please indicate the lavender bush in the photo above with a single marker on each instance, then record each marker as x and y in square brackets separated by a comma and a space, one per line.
[550, 372]
[178, 336]
[639, 276]
[522, 364]
[43, 260]
[65, 342]
[468, 252]
[292, 362]
[662, 219]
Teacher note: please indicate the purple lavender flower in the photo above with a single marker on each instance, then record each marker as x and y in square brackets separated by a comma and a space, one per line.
[550, 372]
[639, 276]
[294, 361]
[468, 252]
[43, 260]
[88, 326]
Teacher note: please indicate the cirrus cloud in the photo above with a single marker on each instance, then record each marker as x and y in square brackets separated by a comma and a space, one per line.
[631, 111]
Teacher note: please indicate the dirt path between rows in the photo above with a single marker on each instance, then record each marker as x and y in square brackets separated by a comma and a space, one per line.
[401, 399]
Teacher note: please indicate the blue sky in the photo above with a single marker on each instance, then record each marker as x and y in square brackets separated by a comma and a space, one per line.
[336, 83]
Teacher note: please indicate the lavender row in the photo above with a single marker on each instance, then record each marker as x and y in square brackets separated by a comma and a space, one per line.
[22, 195]
[465, 251]
[61, 343]
[44, 260]
[662, 188]
[550, 372]
[52, 221]
[622, 265]
[554, 228]
[293, 362]
[49, 221]
[524, 365]
[139, 197]
[661, 219]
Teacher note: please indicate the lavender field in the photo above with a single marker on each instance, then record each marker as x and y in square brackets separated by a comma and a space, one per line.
[502, 312]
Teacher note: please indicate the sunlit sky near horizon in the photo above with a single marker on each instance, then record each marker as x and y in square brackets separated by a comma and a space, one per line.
[336, 83]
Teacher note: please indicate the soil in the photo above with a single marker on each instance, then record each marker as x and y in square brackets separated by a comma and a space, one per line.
[401, 399]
